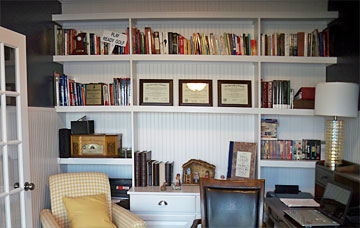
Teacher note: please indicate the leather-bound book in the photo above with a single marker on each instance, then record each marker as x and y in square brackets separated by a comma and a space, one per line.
[156, 174]
[169, 167]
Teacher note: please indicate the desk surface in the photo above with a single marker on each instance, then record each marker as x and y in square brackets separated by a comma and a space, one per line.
[275, 210]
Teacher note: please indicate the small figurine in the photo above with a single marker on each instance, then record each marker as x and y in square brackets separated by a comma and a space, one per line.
[188, 171]
[163, 187]
[178, 180]
[222, 177]
[196, 177]
[207, 174]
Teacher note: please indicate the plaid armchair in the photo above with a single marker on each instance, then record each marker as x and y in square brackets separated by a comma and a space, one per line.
[83, 184]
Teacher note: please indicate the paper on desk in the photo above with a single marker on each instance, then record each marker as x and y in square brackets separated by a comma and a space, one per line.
[299, 202]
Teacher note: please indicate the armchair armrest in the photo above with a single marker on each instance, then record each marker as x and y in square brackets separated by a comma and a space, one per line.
[47, 219]
[123, 218]
[196, 222]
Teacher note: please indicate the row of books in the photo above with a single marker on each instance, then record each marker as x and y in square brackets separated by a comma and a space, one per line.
[305, 149]
[150, 172]
[148, 42]
[68, 92]
[70, 40]
[277, 94]
[297, 44]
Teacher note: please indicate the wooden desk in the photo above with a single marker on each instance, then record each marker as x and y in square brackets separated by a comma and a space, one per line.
[274, 209]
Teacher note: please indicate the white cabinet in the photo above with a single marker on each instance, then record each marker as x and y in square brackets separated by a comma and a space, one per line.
[179, 133]
[173, 208]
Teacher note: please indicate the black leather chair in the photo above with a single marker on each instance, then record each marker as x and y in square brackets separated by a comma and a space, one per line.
[231, 204]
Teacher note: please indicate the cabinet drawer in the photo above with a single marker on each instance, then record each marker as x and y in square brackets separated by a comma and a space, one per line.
[166, 203]
[323, 177]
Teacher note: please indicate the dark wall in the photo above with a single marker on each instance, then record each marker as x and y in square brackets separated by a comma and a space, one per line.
[33, 19]
[345, 31]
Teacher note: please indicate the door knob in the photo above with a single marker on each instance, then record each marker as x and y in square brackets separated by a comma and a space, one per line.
[29, 186]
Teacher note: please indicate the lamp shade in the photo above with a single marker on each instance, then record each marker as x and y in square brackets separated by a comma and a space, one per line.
[336, 99]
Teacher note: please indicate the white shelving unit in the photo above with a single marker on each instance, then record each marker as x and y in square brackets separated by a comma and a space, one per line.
[181, 133]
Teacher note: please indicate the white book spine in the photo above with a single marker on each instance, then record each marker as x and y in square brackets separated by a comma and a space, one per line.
[306, 44]
[161, 39]
[287, 44]
[166, 43]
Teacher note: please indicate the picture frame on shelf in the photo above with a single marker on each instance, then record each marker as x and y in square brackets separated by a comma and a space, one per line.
[194, 92]
[234, 93]
[157, 92]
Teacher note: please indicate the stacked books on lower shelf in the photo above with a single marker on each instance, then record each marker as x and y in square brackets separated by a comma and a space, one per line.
[305, 149]
[150, 172]
[68, 92]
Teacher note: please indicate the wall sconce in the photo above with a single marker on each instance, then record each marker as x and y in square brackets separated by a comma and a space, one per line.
[196, 86]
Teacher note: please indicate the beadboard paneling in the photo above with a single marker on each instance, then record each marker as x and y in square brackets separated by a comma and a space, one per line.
[97, 71]
[352, 139]
[180, 137]
[113, 171]
[305, 178]
[300, 75]
[269, 26]
[72, 6]
[43, 133]
[105, 123]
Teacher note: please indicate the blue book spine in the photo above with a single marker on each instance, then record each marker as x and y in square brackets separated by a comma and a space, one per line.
[231, 147]
[249, 43]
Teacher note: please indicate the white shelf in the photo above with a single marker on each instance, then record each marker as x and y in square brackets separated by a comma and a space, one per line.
[93, 108]
[62, 18]
[290, 112]
[288, 163]
[90, 58]
[186, 109]
[298, 59]
[95, 161]
[195, 58]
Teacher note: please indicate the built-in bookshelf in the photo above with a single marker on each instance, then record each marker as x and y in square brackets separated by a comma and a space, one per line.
[178, 133]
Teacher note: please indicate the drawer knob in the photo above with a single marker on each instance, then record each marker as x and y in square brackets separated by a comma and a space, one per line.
[162, 203]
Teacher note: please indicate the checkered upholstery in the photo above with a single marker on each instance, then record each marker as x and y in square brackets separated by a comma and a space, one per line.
[82, 184]
[74, 185]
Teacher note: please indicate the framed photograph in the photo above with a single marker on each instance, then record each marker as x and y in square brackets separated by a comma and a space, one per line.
[242, 157]
[234, 93]
[156, 92]
[195, 93]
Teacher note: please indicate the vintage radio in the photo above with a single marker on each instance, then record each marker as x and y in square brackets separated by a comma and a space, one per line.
[96, 146]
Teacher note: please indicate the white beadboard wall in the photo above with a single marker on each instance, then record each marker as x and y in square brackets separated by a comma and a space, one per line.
[180, 137]
[93, 6]
[43, 132]
[352, 139]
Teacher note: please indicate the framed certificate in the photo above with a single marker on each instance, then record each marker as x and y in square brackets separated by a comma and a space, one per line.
[195, 93]
[156, 92]
[234, 93]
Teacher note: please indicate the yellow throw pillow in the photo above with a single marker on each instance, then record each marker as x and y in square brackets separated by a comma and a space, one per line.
[88, 211]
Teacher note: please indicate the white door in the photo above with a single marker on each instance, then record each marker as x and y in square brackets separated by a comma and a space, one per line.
[15, 199]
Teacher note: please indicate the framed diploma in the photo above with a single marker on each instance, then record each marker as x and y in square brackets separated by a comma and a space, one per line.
[234, 93]
[156, 92]
[195, 93]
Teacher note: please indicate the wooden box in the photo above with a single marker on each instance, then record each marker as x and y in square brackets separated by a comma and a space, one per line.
[96, 146]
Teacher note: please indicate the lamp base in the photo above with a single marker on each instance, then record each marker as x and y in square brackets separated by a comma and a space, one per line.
[334, 143]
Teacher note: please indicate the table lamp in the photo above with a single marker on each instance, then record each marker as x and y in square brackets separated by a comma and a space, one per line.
[336, 99]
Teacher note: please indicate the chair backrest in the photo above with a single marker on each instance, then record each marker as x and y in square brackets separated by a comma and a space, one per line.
[74, 185]
[231, 204]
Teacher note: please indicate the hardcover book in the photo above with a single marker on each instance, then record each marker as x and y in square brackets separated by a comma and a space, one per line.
[241, 161]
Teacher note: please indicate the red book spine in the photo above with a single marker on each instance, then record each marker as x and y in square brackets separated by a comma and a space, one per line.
[181, 45]
[264, 94]
[270, 94]
[133, 38]
[147, 33]
[138, 43]
[98, 45]
[239, 42]
[126, 51]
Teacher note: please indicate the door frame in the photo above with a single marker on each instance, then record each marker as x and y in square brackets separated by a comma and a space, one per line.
[18, 42]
